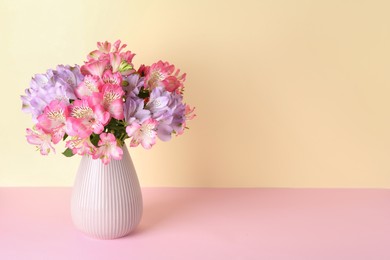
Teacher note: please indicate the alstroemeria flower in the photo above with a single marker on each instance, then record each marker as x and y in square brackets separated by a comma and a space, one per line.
[88, 86]
[158, 101]
[119, 61]
[112, 78]
[108, 148]
[101, 53]
[126, 66]
[134, 111]
[87, 116]
[104, 47]
[95, 68]
[81, 146]
[133, 84]
[56, 84]
[104, 98]
[113, 100]
[53, 119]
[180, 123]
[144, 134]
[164, 130]
[117, 46]
[40, 139]
[115, 61]
[163, 74]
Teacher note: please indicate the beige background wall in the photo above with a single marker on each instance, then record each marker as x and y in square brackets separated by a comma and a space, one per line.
[288, 93]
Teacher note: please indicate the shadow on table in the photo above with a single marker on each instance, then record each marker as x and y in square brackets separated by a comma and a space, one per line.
[162, 207]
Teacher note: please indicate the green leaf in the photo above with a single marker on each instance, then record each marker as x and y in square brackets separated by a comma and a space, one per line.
[65, 136]
[68, 152]
[143, 93]
[94, 139]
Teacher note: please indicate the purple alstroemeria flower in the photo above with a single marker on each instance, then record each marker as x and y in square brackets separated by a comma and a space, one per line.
[134, 83]
[167, 108]
[179, 117]
[158, 101]
[56, 84]
[134, 110]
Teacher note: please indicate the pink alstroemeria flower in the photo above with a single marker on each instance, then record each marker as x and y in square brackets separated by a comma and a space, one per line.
[112, 78]
[144, 134]
[112, 100]
[104, 48]
[117, 47]
[87, 116]
[53, 119]
[163, 74]
[115, 58]
[96, 67]
[91, 84]
[81, 146]
[108, 148]
[40, 139]
[115, 61]
[188, 115]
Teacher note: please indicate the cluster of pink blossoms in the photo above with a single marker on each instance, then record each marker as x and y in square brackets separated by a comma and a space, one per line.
[100, 104]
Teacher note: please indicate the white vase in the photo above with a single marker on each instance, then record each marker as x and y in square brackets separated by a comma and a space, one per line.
[106, 199]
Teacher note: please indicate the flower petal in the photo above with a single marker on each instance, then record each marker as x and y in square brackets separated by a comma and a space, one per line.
[94, 67]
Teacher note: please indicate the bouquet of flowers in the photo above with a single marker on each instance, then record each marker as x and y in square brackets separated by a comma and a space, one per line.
[97, 106]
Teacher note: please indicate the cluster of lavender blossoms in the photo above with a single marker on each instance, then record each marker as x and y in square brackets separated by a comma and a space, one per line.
[56, 84]
[99, 105]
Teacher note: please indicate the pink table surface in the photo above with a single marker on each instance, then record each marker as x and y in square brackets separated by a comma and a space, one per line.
[186, 223]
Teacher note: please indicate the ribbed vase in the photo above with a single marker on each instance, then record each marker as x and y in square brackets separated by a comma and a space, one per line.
[106, 199]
